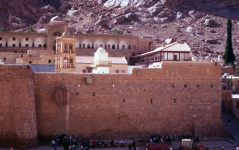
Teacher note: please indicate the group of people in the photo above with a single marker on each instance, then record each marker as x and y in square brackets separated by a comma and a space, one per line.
[168, 138]
[68, 142]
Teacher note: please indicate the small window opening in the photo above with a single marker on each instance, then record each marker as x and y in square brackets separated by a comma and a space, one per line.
[21, 55]
[151, 101]
[117, 71]
[77, 93]
[211, 86]
[4, 59]
[0, 38]
[84, 71]
[39, 45]
[124, 100]
[133, 54]
[190, 100]
[198, 86]
[174, 100]
[49, 61]
[26, 45]
[172, 85]
[13, 45]
[185, 86]
[0, 45]
[13, 38]
[27, 39]
[30, 62]
[93, 94]
[224, 88]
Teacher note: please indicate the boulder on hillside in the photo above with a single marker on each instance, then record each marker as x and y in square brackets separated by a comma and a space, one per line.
[154, 10]
[173, 3]
[189, 20]
[195, 15]
[120, 19]
[179, 15]
[212, 41]
[160, 20]
[129, 16]
[101, 22]
[209, 22]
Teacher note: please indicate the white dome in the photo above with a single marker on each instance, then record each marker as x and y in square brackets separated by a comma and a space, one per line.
[57, 21]
[101, 50]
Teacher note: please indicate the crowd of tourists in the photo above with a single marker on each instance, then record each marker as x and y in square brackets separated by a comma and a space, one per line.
[168, 138]
[73, 143]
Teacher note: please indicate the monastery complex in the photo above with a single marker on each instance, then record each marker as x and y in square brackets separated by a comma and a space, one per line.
[103, 86]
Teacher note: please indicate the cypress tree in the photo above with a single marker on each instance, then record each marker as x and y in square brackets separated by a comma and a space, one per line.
[229, 56]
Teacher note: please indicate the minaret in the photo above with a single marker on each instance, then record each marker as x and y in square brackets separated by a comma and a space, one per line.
[65, 57]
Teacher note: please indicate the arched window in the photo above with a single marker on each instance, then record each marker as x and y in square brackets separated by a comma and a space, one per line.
[123, 46]
[83, 45]
[56, 34]
[108, 46]
[101, 45]
[39, 45]
[113, 46]
[70, 47]
[88, 46]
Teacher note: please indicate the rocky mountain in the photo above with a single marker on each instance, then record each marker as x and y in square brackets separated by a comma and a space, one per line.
[201, 23]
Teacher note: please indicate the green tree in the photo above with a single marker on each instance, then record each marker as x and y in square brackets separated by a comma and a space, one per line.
[30, 29]
[117, 32]
[2, 29]
[65, 20]
[229, 56]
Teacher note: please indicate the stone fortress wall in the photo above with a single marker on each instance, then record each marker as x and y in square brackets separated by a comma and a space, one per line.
[18, 121]
[180, 97]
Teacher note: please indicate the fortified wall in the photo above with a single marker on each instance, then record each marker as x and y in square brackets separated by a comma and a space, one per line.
[18, 122]
[183, 97]
[180, 97]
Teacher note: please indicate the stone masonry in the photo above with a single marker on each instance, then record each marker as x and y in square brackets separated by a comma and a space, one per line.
[180, 97]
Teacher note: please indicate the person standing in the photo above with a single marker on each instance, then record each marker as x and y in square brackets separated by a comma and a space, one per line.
[94, 143]
[222, 147]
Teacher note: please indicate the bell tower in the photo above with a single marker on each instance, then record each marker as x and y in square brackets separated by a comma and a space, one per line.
[65, 57]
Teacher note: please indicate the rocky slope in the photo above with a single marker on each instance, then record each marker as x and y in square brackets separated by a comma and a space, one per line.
[201, 23]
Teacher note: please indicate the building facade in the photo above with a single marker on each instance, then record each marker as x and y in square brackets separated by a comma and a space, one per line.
[85, 44]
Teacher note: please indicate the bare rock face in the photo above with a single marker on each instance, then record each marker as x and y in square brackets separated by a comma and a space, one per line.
[120, 19]
[154, 10]
[209, 22]
[212, 41]
[195, 15]
[101, 22]
[179, 15]
[129, 16]
[173, 3]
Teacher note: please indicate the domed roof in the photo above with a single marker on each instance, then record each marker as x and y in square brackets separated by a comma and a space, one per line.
[101, 50]
[57, 20]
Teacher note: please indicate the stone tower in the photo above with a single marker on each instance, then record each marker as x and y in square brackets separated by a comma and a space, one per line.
[65, 57]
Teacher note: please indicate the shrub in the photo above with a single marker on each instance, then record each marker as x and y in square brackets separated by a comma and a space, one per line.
[2, 29]
[30, 29]
[117, 32]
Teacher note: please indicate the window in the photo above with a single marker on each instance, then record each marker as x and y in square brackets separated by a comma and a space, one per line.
[71, 60]
[21, 55]
[49, 61]
[88, 46]
[89, 70]
[84, 71]
[211, 86]
[26, 45]
[39, 45]
[117, 71]
[13, 45]
[122, 71]
[30, 62]
[129, 46]
[133, 54]
[185, 86]
[101, 45]
[27, 39]
[142, 47]
[113, 46]
[0, 38]
[198, 86]
[83, 46]
[174, 100]
[108, 46]
[123, 46]
[13, 38]
[0, 45]
[134, 47]
[172, 85]
[4, 59]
